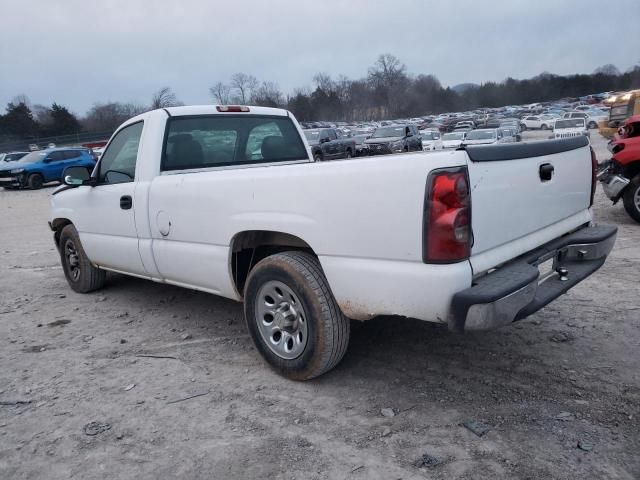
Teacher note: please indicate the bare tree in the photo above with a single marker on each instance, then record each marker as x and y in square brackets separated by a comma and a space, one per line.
[42, 115]
[21, 98]
[164, 98]
[220, 93]
[608, 69]
[268, 94]
[388, 70]
[245, 85]
[323, 82]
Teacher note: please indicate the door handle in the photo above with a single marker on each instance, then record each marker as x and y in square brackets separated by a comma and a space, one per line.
[546, 172]
[125, 202]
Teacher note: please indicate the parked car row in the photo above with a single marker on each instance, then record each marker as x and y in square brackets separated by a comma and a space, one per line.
[32, 170]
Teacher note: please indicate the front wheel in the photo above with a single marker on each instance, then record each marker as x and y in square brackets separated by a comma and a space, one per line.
[593, 125]
[544, 126]
[317, 157]
[292, 316]
[35, 181]
[631, 199]
[81, 275]
[348, 154]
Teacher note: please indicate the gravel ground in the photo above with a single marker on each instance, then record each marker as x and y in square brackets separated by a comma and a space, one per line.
[565, 377]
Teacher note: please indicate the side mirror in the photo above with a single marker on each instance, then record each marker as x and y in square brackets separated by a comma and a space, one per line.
[76, 176]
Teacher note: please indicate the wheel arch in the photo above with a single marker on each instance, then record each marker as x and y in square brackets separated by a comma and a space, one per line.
[248, 247]
[632, 169]
[57, 224]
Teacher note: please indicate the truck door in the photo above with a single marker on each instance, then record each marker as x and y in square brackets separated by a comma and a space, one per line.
[334, 144]
[106, 213]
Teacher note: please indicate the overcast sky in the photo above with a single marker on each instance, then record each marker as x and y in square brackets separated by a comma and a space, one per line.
[81, 52]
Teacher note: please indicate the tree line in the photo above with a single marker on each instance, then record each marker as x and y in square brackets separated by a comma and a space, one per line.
[388, 90]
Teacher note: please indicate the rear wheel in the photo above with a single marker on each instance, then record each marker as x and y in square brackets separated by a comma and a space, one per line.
[593, 125]
[544, 126]
[35, 181]
[81, 275]
[292, 316]
[523, 127]
[631, 199]
[348, 154]
[317, 156]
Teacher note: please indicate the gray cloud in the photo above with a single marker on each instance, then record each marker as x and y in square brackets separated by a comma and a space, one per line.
[77, 52]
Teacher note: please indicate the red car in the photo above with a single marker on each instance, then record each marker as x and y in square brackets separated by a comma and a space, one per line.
[620, 176]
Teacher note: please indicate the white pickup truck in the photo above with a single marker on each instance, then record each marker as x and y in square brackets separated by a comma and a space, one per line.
[228, 200]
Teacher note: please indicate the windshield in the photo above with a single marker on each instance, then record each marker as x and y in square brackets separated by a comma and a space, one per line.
[388, 132]
[573, 123]
[10, 157]
[481, 135]
[453, 136]
[33, 157]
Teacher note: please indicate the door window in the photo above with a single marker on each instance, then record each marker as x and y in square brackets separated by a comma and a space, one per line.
[118, 163]
[56, 156]
[71, 154]
[332, 135]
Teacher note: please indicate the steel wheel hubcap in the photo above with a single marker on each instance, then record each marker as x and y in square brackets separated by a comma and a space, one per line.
[281, 320]
[636, 199]
[73, 260]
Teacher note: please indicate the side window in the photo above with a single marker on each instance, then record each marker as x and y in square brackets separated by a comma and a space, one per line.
[56, 156]
[71, 154]
[332, 135]
[118, 163]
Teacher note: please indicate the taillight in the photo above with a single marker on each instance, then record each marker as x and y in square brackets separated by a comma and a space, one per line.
[232, 108]
[447, 216]
[594, 175]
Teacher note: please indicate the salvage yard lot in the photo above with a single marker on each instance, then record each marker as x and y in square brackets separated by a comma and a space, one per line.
[173, 380]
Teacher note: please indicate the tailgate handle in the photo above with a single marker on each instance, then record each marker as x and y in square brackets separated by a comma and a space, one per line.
[546, 172]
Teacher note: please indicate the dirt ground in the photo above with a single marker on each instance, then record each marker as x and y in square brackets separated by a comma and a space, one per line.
[567, 376]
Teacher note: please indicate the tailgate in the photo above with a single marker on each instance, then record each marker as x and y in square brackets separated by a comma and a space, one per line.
[515, 206]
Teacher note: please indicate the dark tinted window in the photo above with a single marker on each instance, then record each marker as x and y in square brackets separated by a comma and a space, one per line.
[69, 154]
[216, 140]
[56, 156]
[332, 134]
[118, 163]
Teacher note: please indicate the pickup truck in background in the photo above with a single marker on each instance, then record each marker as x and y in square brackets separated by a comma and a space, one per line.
[328, 144]
[394, 139]
[230, 200]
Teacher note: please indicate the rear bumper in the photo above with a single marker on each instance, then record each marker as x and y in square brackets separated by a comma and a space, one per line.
[516, 289]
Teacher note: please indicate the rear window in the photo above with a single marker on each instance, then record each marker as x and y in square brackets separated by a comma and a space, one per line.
[215, 141]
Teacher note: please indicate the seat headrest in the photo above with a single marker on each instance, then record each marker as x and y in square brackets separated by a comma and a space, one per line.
[273, 147]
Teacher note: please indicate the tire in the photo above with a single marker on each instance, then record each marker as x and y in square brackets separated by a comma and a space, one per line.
[631, 199]
[348, 154]
[317, 157]
[544, 126]
[317, 335]
[592, 125]
[523, 127]
[35, 181]
[81, 275]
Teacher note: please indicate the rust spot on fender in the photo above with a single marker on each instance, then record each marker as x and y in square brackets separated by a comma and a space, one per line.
[354, 311]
